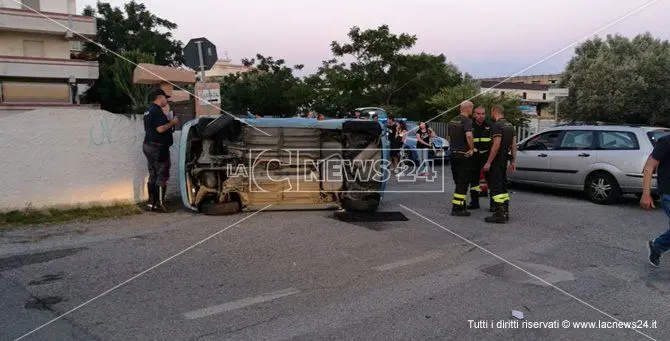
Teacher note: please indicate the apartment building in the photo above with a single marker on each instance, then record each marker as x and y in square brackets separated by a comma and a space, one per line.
[39, 56]
[224, 67]
[545, 79]
[535, 98]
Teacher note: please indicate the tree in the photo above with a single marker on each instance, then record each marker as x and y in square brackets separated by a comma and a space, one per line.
[122, 31]
[270, 88]
[449, 99]
[121, 72]
[381, 74]
[619, 80]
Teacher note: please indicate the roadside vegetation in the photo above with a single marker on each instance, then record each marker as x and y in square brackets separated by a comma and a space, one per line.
[30, 216]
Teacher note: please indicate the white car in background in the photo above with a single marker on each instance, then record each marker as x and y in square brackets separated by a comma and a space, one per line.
[604, 161]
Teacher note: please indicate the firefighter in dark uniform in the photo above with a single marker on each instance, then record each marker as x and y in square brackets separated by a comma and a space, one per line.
[504, 142]
[481, 133]
[462, 146]
[156, 147]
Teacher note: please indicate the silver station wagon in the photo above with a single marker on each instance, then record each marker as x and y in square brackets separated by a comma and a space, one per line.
[604, 161]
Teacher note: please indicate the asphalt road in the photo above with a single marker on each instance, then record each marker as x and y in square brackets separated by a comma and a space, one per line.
[308, 276]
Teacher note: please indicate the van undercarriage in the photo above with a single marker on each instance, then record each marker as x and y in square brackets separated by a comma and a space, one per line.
[230, 166]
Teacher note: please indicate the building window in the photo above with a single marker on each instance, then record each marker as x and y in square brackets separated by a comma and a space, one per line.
[33, 48]
[31, 4]
[524, 95]
[544, 95]
[552, 81]
[76, 45]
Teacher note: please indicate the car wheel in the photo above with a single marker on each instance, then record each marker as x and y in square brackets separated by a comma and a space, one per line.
[224, 208]
[601, 188]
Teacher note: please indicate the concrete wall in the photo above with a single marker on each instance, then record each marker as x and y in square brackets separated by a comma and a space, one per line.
[10, 4]
[65, 157]
[57, 6]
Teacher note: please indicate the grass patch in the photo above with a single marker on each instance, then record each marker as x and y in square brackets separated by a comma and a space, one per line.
[31, 216]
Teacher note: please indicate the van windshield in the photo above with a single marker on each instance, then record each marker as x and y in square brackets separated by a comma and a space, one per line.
[654, 135]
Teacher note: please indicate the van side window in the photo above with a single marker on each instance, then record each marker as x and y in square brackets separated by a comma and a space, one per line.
[578, 140]
[544, 141]
[617, 140]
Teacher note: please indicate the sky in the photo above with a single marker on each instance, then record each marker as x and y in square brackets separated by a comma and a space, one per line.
[485, 38]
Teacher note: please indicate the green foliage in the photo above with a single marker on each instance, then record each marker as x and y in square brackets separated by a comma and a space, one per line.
[121, 72]
[123, 31]
[29, 216]
[270, 88]
[381, 74]
[619, 80]
[449, 99]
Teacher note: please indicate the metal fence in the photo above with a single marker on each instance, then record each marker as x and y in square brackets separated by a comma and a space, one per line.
[533, 127]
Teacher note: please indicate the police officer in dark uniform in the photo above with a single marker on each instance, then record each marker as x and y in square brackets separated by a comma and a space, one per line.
[462, 146]
[481, 132]
[156, 147]
[504, 142]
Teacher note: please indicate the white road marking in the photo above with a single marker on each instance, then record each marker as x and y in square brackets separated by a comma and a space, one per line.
[391, 266]
[245, 302]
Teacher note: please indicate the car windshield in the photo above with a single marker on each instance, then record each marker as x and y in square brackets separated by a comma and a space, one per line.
[654, 135]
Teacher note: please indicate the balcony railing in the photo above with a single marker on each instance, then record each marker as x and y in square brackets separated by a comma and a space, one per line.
[46, 22]
[32, 67]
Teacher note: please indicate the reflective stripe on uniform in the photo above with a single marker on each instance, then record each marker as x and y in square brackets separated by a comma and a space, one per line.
[458, 202]
[484, 139]
[501, 198]
[476, 188]
[459, 196]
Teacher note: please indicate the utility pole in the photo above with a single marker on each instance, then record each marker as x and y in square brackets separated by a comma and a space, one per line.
[202, 61]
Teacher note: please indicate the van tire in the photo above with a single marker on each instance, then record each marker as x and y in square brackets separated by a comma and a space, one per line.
[602, 188]
[217, 125]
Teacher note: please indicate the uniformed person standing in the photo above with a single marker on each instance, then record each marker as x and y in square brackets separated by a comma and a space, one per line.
[504, 142]
[481, 132]
[156, 147]
[462, 146]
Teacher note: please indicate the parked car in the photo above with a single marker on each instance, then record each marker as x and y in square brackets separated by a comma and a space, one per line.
[440, 150]
[226, 165]
[603, 161]
[368, 112]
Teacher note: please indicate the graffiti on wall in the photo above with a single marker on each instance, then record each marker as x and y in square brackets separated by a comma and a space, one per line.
[113, 130]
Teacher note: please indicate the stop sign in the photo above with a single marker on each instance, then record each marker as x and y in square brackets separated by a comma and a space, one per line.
[192, 55]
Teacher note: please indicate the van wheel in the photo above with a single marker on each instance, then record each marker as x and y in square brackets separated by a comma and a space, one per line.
[224, 208]
[601, 188]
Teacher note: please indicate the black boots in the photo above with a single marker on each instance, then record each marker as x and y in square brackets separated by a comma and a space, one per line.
[498, 216]
[506, 210]
[160, 205]
[500, 213]
[492, 207]
[459, 211]
[458, 208]
[151, 190]
[474, 200]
